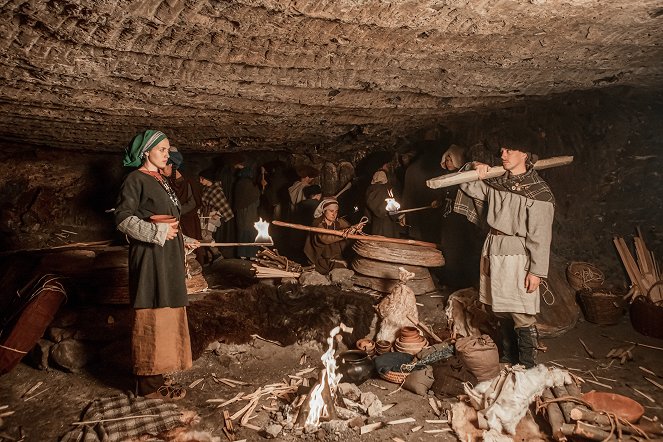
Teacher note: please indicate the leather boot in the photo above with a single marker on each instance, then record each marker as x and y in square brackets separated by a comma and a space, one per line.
[528, 342]
[509, 342]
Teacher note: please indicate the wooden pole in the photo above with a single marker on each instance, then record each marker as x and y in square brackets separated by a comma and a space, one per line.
[376, 238]
[472, 175]
[555, 416]
[234, 244]
[416, 209]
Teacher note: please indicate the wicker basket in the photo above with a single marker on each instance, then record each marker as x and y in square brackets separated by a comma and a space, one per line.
[647, 317]
[394, 376]
[584, 275]
[601, 306]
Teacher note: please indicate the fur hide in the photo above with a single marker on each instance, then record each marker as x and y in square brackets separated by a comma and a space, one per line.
[504, 400]
[287, 314]
[464, 424]
[395, 308]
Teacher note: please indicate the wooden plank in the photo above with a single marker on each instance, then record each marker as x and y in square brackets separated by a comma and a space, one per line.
[472, 175]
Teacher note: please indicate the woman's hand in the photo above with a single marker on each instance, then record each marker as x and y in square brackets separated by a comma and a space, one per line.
[172, 230]
[192, 245]
[531, 282]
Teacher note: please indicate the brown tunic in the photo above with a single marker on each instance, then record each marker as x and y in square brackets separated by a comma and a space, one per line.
[324, 251]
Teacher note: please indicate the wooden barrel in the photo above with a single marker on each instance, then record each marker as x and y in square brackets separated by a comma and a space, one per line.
[418, 286]
[387, 270]
[562, 315]
[399, 253]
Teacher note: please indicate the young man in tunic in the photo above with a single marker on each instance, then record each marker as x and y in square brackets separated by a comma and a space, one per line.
[518, 208]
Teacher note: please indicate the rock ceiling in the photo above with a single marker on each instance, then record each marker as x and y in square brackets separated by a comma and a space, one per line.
[263, 74]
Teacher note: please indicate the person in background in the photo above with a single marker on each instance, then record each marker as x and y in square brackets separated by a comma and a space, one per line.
[189, 194]
[246, 199]
[519, 209]
[215, 210]
[305, 209]
[381, 222]
[160, 335]
[325, 252]
[307, 174]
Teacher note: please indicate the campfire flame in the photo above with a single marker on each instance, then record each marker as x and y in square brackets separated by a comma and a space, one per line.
[329, 378]
[392, 204]
[263, 232]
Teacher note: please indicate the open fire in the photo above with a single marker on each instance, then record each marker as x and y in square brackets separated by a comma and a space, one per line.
[322, 396]
[263, 232]
[392, 204]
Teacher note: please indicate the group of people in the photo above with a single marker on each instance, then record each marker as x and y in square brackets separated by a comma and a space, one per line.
[517, 207]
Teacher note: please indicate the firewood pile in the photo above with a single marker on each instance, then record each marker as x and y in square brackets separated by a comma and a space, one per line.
[645, 273]
[571, 416]
[270, 264]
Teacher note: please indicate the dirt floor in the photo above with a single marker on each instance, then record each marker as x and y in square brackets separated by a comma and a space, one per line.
[50, 410]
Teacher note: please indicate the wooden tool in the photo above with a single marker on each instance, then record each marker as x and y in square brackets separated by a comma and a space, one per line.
[472, 175]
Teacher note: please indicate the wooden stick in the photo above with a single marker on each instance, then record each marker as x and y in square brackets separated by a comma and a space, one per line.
[136, 416]
[587, 431]
[376, 238]
[416, 209]
[555, 416]
[234, 244]
[472, 175]
[589, 352]
[655, 383]
[425, 329]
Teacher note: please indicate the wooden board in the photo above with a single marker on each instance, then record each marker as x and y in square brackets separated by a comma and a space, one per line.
[399, 253]
[386, 270]
[418, 286]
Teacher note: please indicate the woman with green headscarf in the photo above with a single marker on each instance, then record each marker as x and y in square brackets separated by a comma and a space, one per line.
[148, 212]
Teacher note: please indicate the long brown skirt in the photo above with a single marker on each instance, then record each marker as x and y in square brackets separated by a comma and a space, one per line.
[160, 341]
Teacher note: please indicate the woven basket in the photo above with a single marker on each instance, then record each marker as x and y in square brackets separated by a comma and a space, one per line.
[584, 275]
[601, 306]
[394, 376]
[647, 317]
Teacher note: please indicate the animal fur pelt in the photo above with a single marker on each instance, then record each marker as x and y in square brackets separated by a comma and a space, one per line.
[287, 314]
[464, 423]
[395, 308]
[504, 400]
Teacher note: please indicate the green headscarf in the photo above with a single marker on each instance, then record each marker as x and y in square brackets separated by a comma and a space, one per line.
[141, 143]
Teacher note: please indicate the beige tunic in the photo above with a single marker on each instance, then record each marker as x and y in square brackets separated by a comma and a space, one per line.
[525, 247]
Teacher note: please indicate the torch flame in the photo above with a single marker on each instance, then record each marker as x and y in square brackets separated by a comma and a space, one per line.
[392, 204]
[263, 232]
[317, 405]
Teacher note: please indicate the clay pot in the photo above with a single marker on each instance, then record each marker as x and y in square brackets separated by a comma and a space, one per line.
[163, 219]
[354, 366]
[409, 331]
[367, 345]
[382, 347]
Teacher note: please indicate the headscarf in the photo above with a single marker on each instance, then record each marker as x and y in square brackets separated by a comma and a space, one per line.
[379, 177]
[324, 205]
[141, 143]
[176, 159]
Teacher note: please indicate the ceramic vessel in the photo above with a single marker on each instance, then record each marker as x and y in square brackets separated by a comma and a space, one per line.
[382, 347]
[355, 366]
[367, 345]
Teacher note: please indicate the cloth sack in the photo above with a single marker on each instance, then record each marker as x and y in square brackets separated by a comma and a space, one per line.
[480, 356]
[420, 381]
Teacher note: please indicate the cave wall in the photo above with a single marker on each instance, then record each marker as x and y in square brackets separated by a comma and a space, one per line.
[612, 187]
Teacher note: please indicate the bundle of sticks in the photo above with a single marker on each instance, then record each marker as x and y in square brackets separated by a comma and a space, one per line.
[571, 417]
[271, 258]
[270, 272]
[645, 274]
